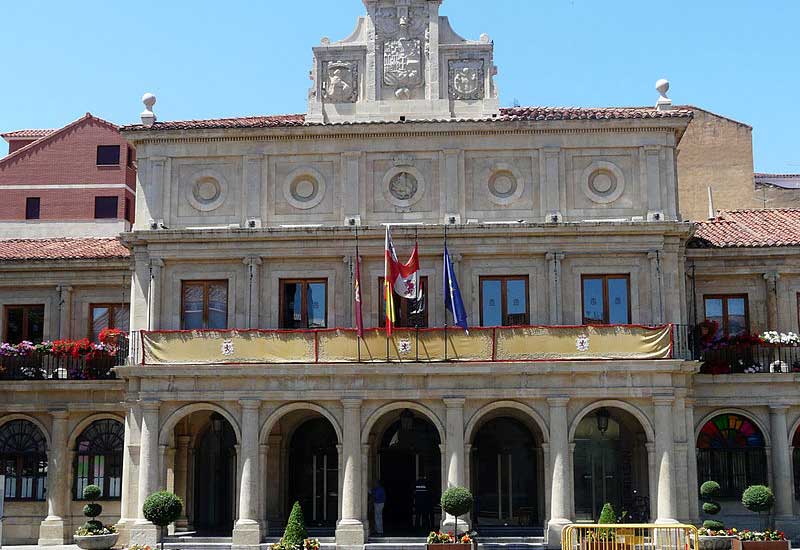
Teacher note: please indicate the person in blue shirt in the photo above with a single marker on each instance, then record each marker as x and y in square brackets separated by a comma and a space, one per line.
[378, 500]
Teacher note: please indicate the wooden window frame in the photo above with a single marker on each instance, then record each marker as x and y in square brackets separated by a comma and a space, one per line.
[725, 316]
[504, 296]
[402, 305]
[606, 309]
[111, 316]
[304, 306]
[205, 284]
[20, 459]
[29, 202]
[25, 308]
[111, 458]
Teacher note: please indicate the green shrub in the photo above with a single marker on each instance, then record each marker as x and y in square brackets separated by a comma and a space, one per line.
[92, 510]
[162, 508]
[713, 525]
[607, 515]
[295, 532]
[711, 508]
[92, 492]
[457, 501]
[710, 490]
[758, 498]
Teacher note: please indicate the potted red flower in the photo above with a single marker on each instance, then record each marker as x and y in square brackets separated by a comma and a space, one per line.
[768, 539]
[456, 501]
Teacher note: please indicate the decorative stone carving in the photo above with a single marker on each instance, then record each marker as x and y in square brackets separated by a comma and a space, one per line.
[603, 182]
[207, 191]
[341, 81]
[466, 78]
[505, 184]
[304, 188]
[403, 185]
[402, 18]
[402, 63]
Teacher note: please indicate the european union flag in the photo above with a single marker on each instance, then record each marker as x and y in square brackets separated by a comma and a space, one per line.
[452, 294]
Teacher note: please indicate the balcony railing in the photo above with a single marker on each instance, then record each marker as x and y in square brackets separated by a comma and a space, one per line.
[748, 357]
[453, 345]
[47, 366]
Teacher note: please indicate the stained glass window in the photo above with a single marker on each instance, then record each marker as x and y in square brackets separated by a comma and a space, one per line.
[23, 460]
[731, 451]
[99, 459]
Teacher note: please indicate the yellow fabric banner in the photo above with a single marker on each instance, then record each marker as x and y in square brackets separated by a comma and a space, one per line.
[518, 344]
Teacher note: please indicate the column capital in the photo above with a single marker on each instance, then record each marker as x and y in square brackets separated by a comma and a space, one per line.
[60, 414]
[263, 448]
[652, 149]
[252, 260]
[156, 263]
[454, 402]
[65, 289]
[663, 400]
[183, 441]
[250, 404]
[558, 401]
[778, 408]
[551, 150]
[451, 152]
[150, 406]
[351, 154]
[352, 403]
[554, 256]
[654, 255]
[772, 276]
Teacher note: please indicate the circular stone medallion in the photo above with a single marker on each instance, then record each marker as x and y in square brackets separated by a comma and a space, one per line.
[207, 191]
[403, 186]
[603, 182]
[505, 183]
[304, 188]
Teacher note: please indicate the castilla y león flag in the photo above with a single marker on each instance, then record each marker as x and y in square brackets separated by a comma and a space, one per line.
[400, 279]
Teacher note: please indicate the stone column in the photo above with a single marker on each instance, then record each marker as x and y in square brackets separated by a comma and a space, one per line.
[365, 486]
[781, 461]
[554, 260]
[350, 530]
[163, 451]
[559, 460]
[247, 531]
[691, 459]
[65, 311]
[667, 511]
[182, 478]
[454, 447]
[130, 465]
[144, 532]
[771, 280]
[263, 453]
[51, 530]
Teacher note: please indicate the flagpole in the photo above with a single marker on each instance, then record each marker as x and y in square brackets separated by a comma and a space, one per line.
[446, 273]
[358, 270]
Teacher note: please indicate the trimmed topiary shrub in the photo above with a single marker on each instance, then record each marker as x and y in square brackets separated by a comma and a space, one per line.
[295, 532]
[709, 491]
[92, 510]
[161, 509]
[457, 501]
[607, 515]
[92, 492]
[758, 498]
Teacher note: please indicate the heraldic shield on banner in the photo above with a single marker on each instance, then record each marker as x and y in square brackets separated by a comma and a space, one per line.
[402, 62]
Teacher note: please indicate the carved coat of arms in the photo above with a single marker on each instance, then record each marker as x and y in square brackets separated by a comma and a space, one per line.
[466, 79]
[341, 82]
[402, 62]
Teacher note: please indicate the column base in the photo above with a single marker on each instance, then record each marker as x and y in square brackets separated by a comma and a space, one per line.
[449, 525]
[663, 521]
[554, 528]
[246, 535]
[350, 535]
[51, 532]
[145, 533]
[789, 525]
[124, 526]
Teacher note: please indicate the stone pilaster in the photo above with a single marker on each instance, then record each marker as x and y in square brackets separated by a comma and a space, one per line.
[156, 281]
[263, 457]
[554, 280]
[51, 530]
[144, 532]
[691, 460]
[656, 288]
[454, 447]
[247, 531]
[559, 460]
[252, 277]
[771, 280]
[667, 510]
[350, 530]
[781, 461]
[182, 478]
[65, 311]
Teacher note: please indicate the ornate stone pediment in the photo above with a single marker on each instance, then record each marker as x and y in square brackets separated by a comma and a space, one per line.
[402, 63]
[400, 18]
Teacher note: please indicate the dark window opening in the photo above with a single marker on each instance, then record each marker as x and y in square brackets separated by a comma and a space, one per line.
[24, 323]
[32, 208]
[98, 459]
[606, 299]
[128, 210]
[407, 313]
[504, 301]
[23, 461]
[131, 156]
[304, 303]
[730, 312]
[108, 155]
[205, 305]
[105, 207]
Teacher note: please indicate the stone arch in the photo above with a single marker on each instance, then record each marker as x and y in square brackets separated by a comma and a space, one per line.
[634, 411]
[283, 410]
[395, 405]
[172, 420]
[741, 412]
[794, 431]
[86, 422]
[480, 415]
[33, 420]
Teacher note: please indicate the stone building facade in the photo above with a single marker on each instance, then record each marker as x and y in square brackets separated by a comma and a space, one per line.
[564, 225]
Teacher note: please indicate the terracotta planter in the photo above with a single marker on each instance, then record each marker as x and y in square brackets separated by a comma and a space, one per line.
[97, 542]
[716, 542]
[450, 546]
[760, 545]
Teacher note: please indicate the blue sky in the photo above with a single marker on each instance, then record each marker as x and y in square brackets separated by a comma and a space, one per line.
[225, 58]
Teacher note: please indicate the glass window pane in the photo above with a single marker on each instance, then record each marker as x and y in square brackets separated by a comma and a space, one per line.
[14, 316]
[515, 297]
[218, 306]
[35, 323]
[122, 318]
[192, 307]
[593, 300]
[737, 316]
[492, 303]
[292, 305]
[618, 301]
[714, 310]
[316, 305]
[100, 320]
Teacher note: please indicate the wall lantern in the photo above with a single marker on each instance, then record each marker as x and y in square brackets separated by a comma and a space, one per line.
[602, 417]
[406, 420]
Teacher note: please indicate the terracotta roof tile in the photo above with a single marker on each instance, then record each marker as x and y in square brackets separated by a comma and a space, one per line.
[509, 114]
[749, 228]
[61, 249]
[27, 134]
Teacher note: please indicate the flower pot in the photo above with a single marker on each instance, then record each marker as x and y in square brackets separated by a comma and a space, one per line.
[97, 542]
[716, 542]
[450, 546]
[760, 545]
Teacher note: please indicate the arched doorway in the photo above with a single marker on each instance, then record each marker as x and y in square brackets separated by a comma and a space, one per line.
[506, 471]
[731, 451]
[610, 465]
[796, 461]
[215, 477]
[406, 460]
[314, 473]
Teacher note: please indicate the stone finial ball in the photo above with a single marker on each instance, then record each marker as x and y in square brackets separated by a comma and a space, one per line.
[149, 100]
[662, 86]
